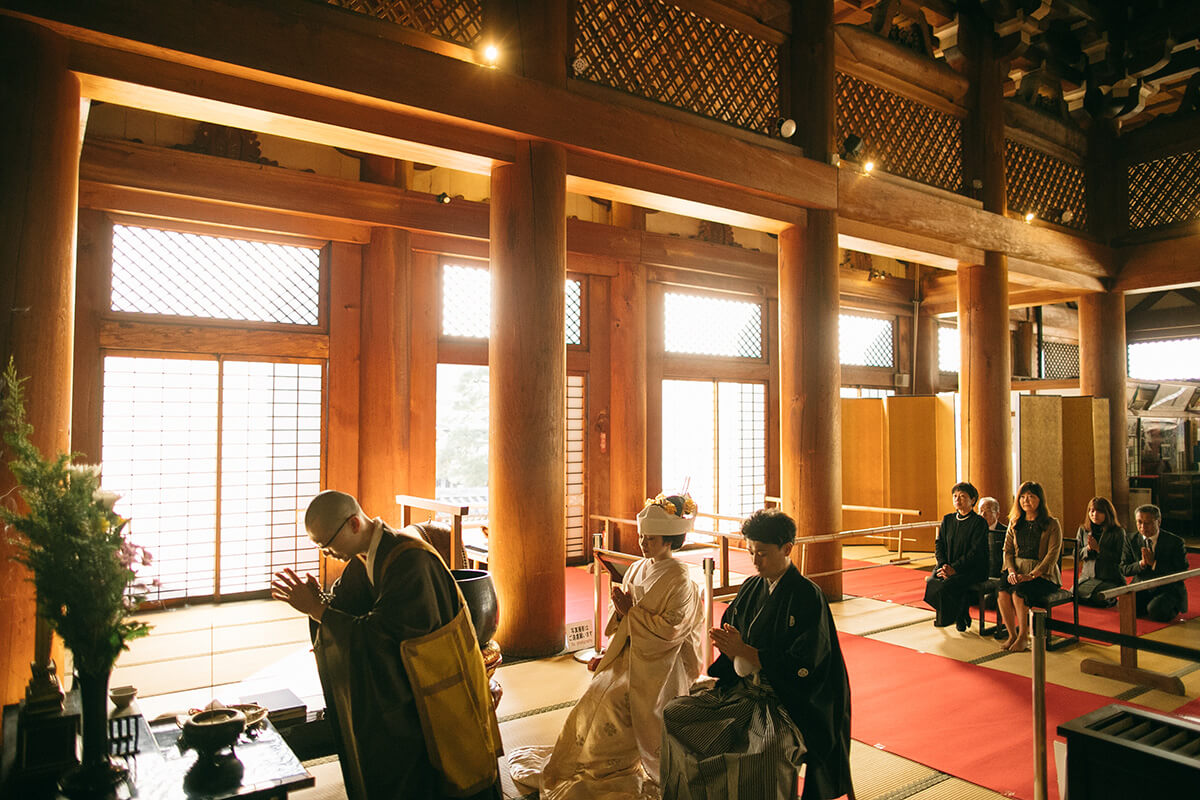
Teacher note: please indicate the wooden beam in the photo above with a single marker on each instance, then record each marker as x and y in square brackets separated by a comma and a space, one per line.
[195, 338]
[893, 203]
[1165, 264]
[259, 44]
[139, 179]
[1145, 303]
[887, 64]
[1162, 320]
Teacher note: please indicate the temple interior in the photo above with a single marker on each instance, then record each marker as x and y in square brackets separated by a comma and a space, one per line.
[519, 265]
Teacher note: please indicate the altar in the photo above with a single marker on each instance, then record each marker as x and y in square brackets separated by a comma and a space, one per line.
[261, 766]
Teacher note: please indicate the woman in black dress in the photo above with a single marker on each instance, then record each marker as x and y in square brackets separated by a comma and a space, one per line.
[962, 559]
[1031, 550]
[1100, 543]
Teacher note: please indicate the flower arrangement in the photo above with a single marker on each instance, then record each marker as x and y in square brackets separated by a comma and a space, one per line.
[84, 569]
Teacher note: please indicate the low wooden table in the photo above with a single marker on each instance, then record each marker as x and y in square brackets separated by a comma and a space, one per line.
[261, 767]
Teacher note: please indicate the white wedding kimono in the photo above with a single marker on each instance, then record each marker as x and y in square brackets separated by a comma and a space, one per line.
[609, 746]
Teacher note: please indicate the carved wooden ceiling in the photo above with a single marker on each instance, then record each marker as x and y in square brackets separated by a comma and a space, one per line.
[1126, 60]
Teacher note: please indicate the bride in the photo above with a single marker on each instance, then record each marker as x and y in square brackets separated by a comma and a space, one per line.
[609, 746]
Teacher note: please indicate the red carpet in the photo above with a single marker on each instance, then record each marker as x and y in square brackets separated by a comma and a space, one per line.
[968, 721]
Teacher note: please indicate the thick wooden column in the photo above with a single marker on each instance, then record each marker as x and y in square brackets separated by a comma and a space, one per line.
[527, 369]
[384, 378]
[809, 367]
[627, 337]
[1102, 372]
[985, 375]
[39, 184]
[925, 371]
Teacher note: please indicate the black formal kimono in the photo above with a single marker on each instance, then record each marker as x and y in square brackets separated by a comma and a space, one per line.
[963, 544]
[368, 695]
[707, 733]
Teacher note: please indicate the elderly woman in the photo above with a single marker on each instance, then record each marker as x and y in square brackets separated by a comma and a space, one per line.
[782, 696]
[962, 559]
[1032, 547]
[610, 744]
[1101, 545]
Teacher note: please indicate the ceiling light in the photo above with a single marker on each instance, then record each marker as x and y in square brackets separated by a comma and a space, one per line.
[443, 198]
[491, 54]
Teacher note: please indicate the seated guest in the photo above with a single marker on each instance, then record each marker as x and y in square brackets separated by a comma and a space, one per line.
[989, 509]
[609, 746]
[1100, 545]
[1031, 573]
[782, 696]
[1152, 553]
[961, 550]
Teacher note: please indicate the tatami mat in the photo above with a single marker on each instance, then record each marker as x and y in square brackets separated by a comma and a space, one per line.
[862, 615]
[531, 685]
[962, 645]
[879, 774]
[955, 789]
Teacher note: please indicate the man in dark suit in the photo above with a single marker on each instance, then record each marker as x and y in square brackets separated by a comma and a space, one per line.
[1153, 553]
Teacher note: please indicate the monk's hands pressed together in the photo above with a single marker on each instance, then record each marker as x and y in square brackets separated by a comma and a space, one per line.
[729, 641]
[302, 595]
[622, 601]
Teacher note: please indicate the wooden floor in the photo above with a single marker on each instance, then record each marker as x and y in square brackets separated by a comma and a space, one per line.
[225, 652]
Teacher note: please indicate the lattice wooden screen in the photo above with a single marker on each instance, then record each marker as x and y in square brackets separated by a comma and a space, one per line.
[457, 20]
[903, 137]
[1060, 360]
[1164, 191]
[1049, 187]
[657, 50]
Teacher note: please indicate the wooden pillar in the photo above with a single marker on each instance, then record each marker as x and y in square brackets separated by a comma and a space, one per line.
[39, 185]
[384, 375]
[527, 369]
[627, 337]
[809, 362]
[1102, 372]
[925, 372]
[985, 375]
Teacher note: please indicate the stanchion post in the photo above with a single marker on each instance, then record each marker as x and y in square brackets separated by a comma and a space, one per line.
[708, 610]
[1038, 627]
[584, 656]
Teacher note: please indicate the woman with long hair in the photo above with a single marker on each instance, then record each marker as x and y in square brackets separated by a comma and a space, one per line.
[1100, 544]
[1032, 547]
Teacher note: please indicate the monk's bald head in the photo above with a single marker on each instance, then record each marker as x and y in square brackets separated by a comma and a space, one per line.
[327, 512]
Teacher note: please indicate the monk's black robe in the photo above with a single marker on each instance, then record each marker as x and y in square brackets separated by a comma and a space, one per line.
[802, 667]
[367, 693]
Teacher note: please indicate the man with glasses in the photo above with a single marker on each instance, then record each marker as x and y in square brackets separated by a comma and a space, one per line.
[394, 598]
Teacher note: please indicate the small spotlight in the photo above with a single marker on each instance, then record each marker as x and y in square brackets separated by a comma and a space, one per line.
[852, 147]
[1030, 216]
[443, 198]
[786, 128]
[491, 54]
[868, 166]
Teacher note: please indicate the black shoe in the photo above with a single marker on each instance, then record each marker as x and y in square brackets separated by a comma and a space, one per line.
[1001, 632]
[963, 624]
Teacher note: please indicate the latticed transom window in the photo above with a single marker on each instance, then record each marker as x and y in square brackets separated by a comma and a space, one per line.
[658, 50]
[714, 442]
[949, 346]
[457, 20]
[713, 326]
[866, 341]
[214, 460]
[1060, 360]
[1047, 186]
[903, 137]
[467, 304]
[191, 275]
[1169, 359]
[1163, 191]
